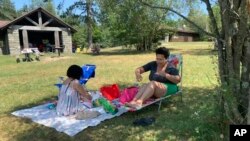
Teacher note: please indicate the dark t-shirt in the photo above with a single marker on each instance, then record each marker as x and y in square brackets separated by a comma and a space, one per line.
[152, 67]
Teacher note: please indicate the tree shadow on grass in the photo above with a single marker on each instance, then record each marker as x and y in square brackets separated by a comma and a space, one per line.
[192, 119]
[126, 51]
[120, 51]
[196, 52]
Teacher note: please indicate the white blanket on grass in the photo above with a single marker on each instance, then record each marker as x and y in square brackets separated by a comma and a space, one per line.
[69, 125]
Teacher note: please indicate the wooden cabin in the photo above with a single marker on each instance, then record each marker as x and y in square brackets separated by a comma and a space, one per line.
[184, 36]
[33, 29]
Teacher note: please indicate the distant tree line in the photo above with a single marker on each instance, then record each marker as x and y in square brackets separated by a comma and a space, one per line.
[114, 23]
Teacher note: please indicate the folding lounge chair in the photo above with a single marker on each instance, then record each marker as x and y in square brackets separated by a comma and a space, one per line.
[177, 61]
[88, 72]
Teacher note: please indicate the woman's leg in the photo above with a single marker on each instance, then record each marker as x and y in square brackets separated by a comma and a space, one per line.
[140, 92]
[154, 88]
[160, 90]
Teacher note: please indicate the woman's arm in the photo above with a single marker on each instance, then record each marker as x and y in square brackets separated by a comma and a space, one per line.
[138, 73]
[82, 91]
[173, 78]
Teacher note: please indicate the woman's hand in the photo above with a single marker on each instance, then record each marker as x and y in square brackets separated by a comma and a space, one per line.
[89, 97]
[86, 98]
[138, 72]
[161, 73]
[82, 90]
[138, 77]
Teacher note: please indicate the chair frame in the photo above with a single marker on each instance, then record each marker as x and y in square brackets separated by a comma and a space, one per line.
[180, 68]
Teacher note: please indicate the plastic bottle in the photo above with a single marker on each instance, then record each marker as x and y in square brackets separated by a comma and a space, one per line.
[108, 107]
[51, 106]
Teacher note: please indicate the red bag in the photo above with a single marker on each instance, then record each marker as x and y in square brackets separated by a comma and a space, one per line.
[128, 94]
[110, 92]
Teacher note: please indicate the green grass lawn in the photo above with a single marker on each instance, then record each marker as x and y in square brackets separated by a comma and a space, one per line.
[25, 85]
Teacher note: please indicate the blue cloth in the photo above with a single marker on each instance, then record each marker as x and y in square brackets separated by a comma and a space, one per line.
[88, 72]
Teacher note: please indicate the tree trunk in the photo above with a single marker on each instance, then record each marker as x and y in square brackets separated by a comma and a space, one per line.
[245, 85]
[89, 22]
[240, 38]
[234, 20]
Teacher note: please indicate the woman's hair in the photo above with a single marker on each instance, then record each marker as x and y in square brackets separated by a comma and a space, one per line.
[162, 50]
[75, 72]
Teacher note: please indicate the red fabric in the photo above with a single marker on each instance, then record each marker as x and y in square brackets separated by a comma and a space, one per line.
[128, 94]
[110, 92]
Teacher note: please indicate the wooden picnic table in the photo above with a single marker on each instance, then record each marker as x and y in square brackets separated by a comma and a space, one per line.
[58, 50]
[27, 52]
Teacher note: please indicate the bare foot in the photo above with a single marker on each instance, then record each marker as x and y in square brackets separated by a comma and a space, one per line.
[134, 104]
[139, 102]
[134, 99]
[130, 103]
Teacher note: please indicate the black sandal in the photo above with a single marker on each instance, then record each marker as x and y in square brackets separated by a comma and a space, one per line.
[144, 121]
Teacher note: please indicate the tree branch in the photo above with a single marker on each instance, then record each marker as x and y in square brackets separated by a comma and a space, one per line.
[212, 18]
[179, 14]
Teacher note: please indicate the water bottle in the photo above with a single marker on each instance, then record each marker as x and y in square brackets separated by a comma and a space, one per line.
[51, 106]
[108, 107]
